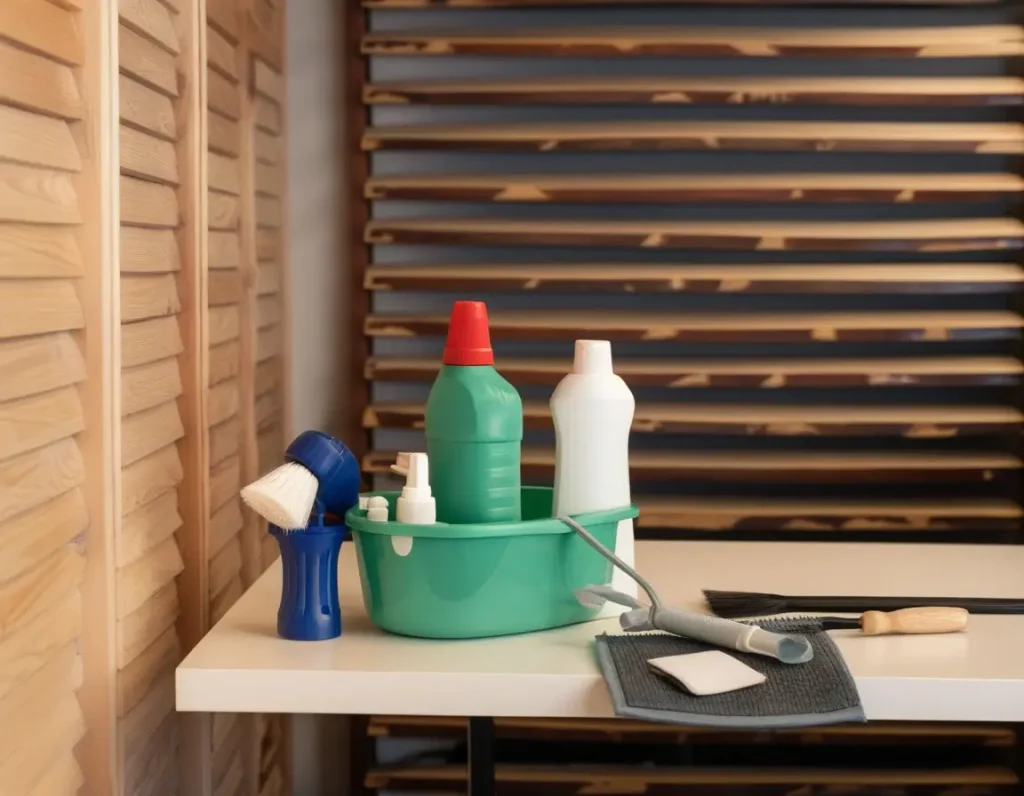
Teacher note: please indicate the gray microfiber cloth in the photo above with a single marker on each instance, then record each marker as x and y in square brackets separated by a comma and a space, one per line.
[818, 692]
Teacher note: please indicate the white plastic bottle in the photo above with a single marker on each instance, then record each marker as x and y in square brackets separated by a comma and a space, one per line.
[592, 409]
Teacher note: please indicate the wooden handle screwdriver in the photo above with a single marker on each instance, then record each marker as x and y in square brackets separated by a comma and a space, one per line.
[906, 621]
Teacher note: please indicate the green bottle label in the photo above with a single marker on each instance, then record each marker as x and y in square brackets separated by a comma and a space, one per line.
[474, 422]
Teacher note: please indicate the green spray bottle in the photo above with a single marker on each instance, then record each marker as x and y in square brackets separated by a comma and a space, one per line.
[474, 424]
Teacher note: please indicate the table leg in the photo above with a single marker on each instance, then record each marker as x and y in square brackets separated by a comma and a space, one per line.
[480, 756]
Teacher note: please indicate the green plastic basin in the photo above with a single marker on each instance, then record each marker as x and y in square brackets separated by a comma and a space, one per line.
[475, 581]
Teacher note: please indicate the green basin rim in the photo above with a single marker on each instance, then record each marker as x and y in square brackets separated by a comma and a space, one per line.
[356, 520]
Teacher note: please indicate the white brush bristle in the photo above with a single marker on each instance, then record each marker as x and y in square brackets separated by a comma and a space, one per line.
[283, 497]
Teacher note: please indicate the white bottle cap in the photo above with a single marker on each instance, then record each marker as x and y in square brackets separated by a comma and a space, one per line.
[592, 357]
[416, 506]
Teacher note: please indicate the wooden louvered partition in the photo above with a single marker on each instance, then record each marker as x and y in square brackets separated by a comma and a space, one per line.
[243, 54]
[129, 385]
[799, 225]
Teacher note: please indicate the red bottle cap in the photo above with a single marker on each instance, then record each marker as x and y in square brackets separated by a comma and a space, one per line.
[469, 337]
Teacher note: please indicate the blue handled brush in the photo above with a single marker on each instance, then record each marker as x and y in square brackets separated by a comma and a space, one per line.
[319, 478]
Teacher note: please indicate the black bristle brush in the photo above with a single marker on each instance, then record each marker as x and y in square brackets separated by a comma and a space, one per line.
[733, 604]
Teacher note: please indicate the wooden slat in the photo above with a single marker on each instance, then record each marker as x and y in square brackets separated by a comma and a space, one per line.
[27, 595]
[224, 174]
[220, 53]
[225, 565]
[38, 306]
[30, 707]
[676, 188]
[225, 362]
[268, 180]
[743, 373]
[151, 19]
[37, 83]
[442, 4]
[224, 287]
[268, 408]
[36, 251]
[268, 244]
[151, 765]
[38, 364]
[41, 744]
[27, 650]
[738, 514]
[916, 422]
[224, 250]
[62, 776]
[145, 528]
[37, 140]
[147, 432]
[720, 327]
[146, 624]
[222, 211]
[138, 677]
[224, 725]
[222, 402]
[148, 296]
[886, 91]
[149, 251]
[149, 478]
[223, 97]
[781, 466]
[268, 311]
[523, 779]
[267, 81]
[38, 533]
[148, 204]
[268, 212]
[641, 731]
[148, 341]
[267, 115]
[225, 524]
[794, 136]
[268, 280]
[147, 717]
[268, 375]
[761, 42]
[270, 551]
[146, 386]
[42, 27]
[224, 135]
[270, 442]
[148, 157]
[145, 109]
[36, 196]
[268, 343]
[267, 148]
[35, 421]
[28, 480]
[226, 752]
[755, 278]
[920, 236]
[143, 578]
[224, 441]
[223, 14]
[223, 325]
[146, 62]
[225, 481]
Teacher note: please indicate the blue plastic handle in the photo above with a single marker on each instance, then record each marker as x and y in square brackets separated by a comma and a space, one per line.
[309, 609]
[334, 465]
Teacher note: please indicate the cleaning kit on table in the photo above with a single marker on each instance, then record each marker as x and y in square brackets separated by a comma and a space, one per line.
[466, 551]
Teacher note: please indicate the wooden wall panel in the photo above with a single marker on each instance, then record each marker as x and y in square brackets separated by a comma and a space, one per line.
[44, 520]
[131, 300]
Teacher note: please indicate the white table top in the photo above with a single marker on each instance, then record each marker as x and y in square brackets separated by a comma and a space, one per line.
[242, 666]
